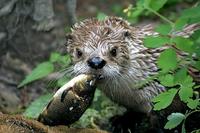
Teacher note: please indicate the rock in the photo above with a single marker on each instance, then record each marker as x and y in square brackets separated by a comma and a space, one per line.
[9, 102]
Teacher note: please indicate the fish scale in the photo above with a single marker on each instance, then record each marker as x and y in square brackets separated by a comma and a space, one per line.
[70, 101]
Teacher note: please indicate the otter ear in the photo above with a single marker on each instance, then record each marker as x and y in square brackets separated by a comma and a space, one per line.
[69, 39]
[126, 34]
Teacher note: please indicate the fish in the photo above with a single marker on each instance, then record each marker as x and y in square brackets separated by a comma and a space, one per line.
[70, 101]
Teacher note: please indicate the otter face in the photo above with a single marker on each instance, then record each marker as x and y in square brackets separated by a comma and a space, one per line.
[100, 47]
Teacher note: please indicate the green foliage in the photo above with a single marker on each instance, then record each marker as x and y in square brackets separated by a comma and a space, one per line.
[197, 65]
[174, 120]
[183, 44]
[40, 71]
[63, 80]
[54, 57]
[180, 75]
[163, 29]
[192, 104]
[167, 80]
[156, 5]
[191, 12]
[173, 66]
[155, 41]
[101, 110]
[45, 68]
[186, 90]
[164, 99]
[143, 7]
[101, 16]
[37, 106]
[167, 60]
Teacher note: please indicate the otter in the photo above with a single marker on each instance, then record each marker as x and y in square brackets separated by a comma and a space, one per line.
[113, 49]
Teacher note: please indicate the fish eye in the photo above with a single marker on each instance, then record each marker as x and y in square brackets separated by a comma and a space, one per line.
[113, 52]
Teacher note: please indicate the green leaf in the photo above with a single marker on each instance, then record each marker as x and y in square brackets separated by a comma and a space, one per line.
[180, 76]
[101, 16]
[167, 60]
[164, 99]
[174, 120]
[185, 93]
[54, 57]
[167, 80]
[191, 13]
[197, 65]
[65, 60]
[186, 90]
[155, 41]
[180, 23]
[183, 44]
[188, 82]
[155, 4]
[37, 106]
[192, 104]
[163, 29]
[40, 71]
[62, 81]
[135, 12]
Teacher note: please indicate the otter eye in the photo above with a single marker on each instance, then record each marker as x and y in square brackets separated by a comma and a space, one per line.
[113, 52]
[79, 53]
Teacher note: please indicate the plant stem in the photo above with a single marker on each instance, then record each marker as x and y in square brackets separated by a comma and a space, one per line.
[159, 15]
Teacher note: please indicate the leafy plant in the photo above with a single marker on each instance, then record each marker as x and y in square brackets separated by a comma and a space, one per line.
[37, 106]
[45, 68]
[55, 63]
[173, 66]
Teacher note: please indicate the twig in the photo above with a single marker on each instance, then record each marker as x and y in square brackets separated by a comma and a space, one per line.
[159, 15]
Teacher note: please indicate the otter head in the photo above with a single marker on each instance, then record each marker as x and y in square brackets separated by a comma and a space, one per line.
[100, 47]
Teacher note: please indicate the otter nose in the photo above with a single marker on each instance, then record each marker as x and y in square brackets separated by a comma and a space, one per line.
[96, 63]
